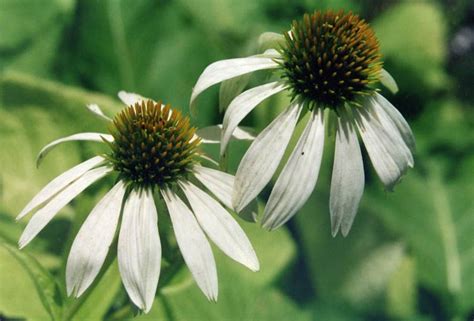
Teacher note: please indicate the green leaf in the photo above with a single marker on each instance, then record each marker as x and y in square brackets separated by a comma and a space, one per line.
[31, 32]
[25, 286]
[453, 136]
[332, 5]
[35, 112]
[243, 295]
[412, 38]
[229, 16]
[432, 211]
[102, 296]
[354, 270]
[137, 52]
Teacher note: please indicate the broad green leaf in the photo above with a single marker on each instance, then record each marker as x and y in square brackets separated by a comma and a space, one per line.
[412, 38]
[433, 212]
[101, 297]
[243, 295]
[27, 289]
[354, 270]
[229, 16]
[31, 33]
[33, 113]
[332, 5]
[453, 121]
[139, 51]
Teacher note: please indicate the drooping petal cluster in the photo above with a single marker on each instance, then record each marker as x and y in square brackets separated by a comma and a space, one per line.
[160, 139]
[329, 63]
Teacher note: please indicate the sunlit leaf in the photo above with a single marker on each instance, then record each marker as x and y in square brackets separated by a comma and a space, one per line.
[433, 212]
[28, 290]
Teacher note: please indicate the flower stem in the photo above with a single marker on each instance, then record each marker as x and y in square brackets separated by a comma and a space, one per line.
[224, 161]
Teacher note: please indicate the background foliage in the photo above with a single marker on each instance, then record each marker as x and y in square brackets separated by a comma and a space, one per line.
[410, 255]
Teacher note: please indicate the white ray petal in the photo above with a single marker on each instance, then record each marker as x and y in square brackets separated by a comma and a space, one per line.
[90, 247]
[139, 248]
[95, 137]
[219, 183]
[95, 109]
[230, 89]
[242, 105]
[230, 68]
[44, 215]
[298, 178]
[399, 121]
[347, 183]
[130, 99]
[387, 80]
[193, 244]
[262, 158]
[390, 128]
[387, 158]
[60, 182]
[212, 134]
[221, 228]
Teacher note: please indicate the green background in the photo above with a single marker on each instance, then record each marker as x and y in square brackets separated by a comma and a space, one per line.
[410, 254]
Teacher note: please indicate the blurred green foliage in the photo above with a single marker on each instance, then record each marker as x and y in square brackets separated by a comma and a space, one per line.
[410, 255]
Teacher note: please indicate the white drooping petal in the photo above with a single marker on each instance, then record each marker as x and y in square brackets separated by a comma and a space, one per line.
[95, 109]
[221, 228]
[242, 105]
[230, 68]
[212, 134]
[387, 157]
[44, 215]
[391, 129]
[139, 248]
[262, 158]
[193, 244]
[60, 182]
[130, 99]
[398, 120]
[298, 178]
[90, 247]
[347, 183]
[219, 183]
[230, 89]
[95, 137]
[387, 80]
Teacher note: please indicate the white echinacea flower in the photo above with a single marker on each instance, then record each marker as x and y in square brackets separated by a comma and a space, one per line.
[154, 152]
[330, 63]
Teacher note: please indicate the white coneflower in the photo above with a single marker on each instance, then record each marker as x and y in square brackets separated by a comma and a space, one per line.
[154, 152]
[329, 62]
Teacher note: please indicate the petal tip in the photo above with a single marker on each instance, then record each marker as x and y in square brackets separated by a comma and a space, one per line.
[254, 266]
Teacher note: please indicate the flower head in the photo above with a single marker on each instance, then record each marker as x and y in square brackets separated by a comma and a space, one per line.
[330, 64]
[154, 152]
[331, 58]
[153, 145]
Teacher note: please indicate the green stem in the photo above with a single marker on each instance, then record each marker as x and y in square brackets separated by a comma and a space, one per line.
[167, 308]
[171, 270]
[124, 313]
[115, 19]
[224, 161]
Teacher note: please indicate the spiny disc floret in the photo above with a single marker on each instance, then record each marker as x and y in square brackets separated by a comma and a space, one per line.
[153, 144]
[331, 58]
